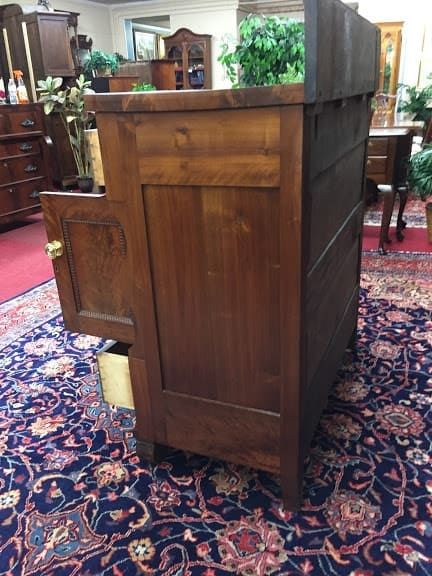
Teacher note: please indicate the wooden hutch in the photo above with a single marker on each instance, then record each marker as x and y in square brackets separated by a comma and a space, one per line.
[191, 54]
[226, 250]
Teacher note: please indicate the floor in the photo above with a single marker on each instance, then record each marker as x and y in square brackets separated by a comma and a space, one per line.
[23, 263]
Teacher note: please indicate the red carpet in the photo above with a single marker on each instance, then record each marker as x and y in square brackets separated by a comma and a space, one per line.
[416, 237]
[23, 263]
[416, 240]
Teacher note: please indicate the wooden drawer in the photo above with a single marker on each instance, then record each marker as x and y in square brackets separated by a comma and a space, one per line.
[20, 197]
[376, 164]
[113, 365]
[19, 148]
[377, 146]
[20, 168]
[26, 121]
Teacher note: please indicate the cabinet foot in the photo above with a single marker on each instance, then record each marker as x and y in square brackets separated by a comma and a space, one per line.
[152, 452]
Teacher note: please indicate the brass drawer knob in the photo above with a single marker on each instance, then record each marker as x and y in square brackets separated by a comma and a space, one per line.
[54, 249]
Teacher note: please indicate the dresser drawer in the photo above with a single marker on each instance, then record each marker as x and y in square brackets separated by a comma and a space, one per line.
[20, 168]
[377, 146]
[18, 148]
[376, 165]
[20, 196]
[26, 121]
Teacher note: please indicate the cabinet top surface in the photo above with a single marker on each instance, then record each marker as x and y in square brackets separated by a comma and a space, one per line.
[169, 100]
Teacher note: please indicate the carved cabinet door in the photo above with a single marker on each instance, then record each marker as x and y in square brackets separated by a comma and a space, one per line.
[89, 249]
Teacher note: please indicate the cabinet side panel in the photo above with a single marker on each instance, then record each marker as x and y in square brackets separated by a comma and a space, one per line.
[215, 267]
[342, 51]
[333, 223]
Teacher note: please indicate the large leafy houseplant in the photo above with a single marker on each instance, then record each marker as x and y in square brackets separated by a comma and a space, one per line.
[420, 180]
[415, 101]
[68, 103]
[420, 172]
[270, 51]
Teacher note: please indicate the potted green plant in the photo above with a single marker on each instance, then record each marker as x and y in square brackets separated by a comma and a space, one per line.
[68, 103]
[270, 51]
[101, 63]
[415, 101]
[420, 180]
[143, 87]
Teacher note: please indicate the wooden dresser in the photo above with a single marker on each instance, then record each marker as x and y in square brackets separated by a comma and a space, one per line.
[226, 251]
[24, 163]
[381, 158]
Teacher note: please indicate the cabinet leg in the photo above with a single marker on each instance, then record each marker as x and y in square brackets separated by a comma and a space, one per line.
[151, 451]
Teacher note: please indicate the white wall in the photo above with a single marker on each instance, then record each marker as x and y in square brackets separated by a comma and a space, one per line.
[94, 19]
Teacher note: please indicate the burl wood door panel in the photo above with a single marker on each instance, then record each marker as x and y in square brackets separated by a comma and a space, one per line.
[93, 273]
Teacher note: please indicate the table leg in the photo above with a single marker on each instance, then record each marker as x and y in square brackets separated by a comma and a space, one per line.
[389, 198]
[403, 196]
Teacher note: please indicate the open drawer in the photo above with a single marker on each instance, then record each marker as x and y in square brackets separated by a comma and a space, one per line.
[113, 365]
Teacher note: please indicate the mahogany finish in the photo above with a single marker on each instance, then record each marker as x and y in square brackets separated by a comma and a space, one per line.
[227, 253]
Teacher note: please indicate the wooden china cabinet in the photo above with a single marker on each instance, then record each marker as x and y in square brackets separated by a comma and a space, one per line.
[191, 54]
[225, 253]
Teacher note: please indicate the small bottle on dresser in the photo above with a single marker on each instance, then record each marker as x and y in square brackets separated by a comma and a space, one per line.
[2, 91]
[12, 92]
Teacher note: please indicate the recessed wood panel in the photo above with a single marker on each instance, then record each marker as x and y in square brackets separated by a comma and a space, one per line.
[215, 268]
[96, 252]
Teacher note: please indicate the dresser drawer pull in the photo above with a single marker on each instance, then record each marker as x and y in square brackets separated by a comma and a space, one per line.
[31, 168]
[26, 147]
[11, 190]
[34, 194]
[27, 123]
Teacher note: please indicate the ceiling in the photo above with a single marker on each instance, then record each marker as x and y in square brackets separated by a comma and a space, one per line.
[109, 2]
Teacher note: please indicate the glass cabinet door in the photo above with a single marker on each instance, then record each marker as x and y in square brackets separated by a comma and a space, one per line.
[196, 70]
[176, 56]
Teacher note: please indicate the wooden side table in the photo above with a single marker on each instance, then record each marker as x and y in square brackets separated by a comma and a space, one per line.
[388, 152]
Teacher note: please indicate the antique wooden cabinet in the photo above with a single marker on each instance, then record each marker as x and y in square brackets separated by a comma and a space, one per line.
[191, 54]
[226, 251]
[25, 168]
[39, 37]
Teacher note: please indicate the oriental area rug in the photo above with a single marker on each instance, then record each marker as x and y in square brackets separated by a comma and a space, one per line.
[75, 499]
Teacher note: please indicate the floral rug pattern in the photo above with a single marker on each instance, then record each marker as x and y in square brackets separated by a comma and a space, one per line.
[75, 499]
[414, 213]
